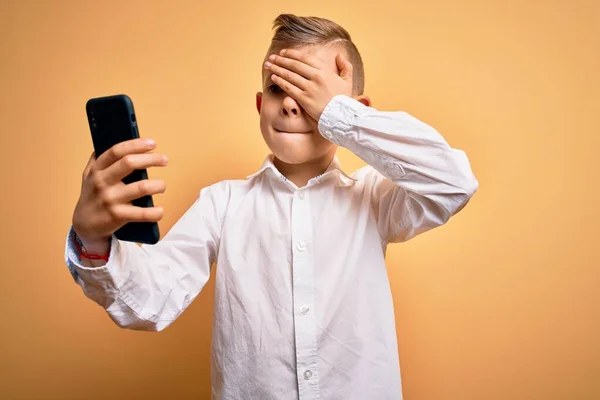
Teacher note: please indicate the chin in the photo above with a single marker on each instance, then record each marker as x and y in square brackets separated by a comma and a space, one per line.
[302, 153]
[292, 155]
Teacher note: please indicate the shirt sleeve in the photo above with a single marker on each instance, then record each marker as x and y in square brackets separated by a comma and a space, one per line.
[416, 180]
[147, 287]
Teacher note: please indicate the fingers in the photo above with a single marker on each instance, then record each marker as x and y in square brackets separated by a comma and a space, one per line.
[127, 193]
[292, 77]
[130, 162]
[302, 57]
[344, 66]
[292, 90]
[118, 151]
[300, 68]
[131, 213]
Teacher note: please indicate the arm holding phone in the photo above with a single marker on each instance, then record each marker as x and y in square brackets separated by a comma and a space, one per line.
[141, 287]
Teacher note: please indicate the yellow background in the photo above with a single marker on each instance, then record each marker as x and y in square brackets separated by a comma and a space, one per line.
[501, 303]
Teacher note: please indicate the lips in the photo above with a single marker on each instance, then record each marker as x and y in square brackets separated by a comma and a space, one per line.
[291, 132]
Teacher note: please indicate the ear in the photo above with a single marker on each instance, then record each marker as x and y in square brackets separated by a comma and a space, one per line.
[258, 101]
[364, 99]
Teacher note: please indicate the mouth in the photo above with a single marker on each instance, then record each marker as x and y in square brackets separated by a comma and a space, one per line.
[291, 132]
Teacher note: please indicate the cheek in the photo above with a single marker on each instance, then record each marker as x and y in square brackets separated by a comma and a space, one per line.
[268, 110]
[322, 143]
[269, 103]
[267, 115]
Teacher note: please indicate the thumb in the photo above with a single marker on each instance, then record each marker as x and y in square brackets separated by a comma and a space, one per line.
[344, 66]
[88, 167]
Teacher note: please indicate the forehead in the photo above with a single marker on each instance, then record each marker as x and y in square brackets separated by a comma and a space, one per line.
[325, 54]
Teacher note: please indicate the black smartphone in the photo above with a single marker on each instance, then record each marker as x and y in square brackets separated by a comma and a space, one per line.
[112, 120]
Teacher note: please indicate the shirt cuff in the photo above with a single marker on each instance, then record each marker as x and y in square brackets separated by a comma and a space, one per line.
[338, 117]
[107, 274]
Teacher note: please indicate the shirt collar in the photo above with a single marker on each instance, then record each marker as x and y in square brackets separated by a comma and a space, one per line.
[333, 168]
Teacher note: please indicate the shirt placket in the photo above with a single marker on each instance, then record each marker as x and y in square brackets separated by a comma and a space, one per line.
[303, 293]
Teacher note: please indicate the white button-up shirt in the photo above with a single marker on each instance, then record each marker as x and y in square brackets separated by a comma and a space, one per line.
[303, 307]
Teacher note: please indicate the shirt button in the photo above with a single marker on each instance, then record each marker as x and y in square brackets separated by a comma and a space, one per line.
[304, 310]
[300, 195]
[301, 246]
[307, 374]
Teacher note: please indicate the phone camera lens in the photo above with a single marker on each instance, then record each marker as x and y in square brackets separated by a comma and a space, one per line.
[132, 117]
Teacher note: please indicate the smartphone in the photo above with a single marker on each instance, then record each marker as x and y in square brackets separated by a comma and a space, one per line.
[112, 120]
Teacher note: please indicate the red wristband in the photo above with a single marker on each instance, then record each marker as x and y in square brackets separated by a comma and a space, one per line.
[89, 256]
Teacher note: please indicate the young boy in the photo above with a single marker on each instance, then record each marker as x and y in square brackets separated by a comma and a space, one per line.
[303, 308]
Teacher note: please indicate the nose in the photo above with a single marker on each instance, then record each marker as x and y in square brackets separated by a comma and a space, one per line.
[290, 108]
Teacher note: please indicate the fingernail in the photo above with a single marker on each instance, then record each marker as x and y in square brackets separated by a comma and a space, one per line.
[267, 64]
[165, 159]
[282, 52]
[272, 57]
[150, 142]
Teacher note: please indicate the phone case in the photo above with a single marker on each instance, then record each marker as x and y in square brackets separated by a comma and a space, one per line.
[112, 120]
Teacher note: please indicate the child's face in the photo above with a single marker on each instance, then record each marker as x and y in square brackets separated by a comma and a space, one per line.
[291, 134]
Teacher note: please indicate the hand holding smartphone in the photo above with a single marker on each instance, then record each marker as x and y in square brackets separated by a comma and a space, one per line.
[117, 196]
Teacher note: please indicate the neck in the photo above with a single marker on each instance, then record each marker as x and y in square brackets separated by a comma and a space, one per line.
[300, 174]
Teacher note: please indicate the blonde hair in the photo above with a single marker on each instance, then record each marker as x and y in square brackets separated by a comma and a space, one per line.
[292, 31]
